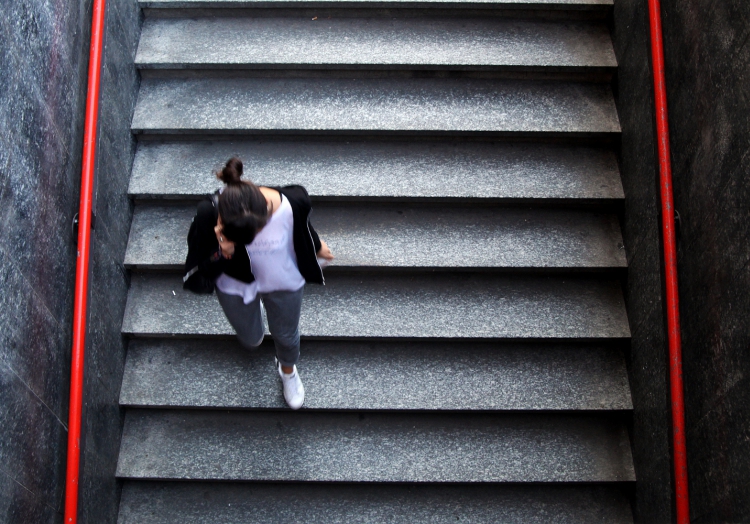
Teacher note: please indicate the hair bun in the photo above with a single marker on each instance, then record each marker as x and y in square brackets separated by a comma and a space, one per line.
[232, 172]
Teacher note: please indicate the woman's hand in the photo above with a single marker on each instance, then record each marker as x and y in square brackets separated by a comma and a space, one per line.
[226, 245]
[325, 251]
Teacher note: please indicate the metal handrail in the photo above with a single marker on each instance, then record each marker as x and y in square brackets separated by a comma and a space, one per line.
[670, 268]
[82, 262]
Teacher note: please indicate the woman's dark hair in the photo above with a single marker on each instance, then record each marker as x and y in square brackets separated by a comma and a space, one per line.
[242, 207]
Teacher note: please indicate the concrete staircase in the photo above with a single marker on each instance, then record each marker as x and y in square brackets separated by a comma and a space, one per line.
[466, 360]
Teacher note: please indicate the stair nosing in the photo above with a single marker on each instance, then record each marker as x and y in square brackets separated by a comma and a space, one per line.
[595, 448]
[413, 107]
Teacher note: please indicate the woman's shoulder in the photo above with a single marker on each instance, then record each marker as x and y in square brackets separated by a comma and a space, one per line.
[297, 195]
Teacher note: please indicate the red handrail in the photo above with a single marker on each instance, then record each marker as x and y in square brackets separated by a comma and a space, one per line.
[82, 263]
[670, 268]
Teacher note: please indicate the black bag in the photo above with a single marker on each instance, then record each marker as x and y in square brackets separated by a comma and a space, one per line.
[202, 244]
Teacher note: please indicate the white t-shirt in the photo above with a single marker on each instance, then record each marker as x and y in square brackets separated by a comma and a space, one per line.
[272, 259]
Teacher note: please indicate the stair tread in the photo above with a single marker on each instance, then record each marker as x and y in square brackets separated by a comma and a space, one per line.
[246, 503]
[380, 106]
[378, 376]
[464, 4]
[413, 237]
[352, 447]
[244, 42]
[435, 305]
[358, 170]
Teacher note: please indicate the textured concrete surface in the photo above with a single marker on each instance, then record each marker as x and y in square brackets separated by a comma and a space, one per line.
[43, 68]
[108, 282]
[392, 170]
[197, 503]
[420, 306]
[537, 4]
[351, 447]
[414, 237]
[453, 43]
[395, 390]
[18, 504]
[32, 465]
[379, 376]
[708, 62]
[342, 106]
[648, 362]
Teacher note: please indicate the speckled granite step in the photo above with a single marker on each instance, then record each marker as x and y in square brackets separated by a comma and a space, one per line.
[415, 237]
[460, 4]
[373, 43]
[352, 447]
[246, 503]
[373, 106]
[437, 305]
[383, 170]
[379, 376]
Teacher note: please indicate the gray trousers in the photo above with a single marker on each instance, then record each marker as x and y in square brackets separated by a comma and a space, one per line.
[282, 311]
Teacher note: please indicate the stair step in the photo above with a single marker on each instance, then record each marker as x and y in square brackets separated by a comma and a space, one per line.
[352, 447]
[436, 305]
[246, 503]
[378, 376]
[483, 171]
[390, 4]
[374, 106]
[372, 43]
[414, 237]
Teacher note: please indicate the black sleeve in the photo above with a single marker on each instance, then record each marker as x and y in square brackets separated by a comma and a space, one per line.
[207, 256]
[302, 200]
[314, 235]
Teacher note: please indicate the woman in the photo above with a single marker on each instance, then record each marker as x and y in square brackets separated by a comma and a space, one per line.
[265, 250]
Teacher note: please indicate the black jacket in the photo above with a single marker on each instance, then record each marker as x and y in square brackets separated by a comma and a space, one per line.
[306, 241]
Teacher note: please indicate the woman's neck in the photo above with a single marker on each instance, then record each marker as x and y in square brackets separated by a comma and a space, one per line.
[273, 199]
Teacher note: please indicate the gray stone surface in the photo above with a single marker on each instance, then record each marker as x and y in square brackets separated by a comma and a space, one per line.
[708, 62]
[18, 504]
[360, 314]
[454, 43]
[384, 170]
[30, 457]
[355, 106]
[106, 348]
[537, 4]
[414, 237]
[379, 376]
[198, 503]
[351, 447]
[43, 72]
[439, 305]
[651, 430]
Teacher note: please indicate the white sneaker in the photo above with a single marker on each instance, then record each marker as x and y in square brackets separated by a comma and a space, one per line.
[294, 391]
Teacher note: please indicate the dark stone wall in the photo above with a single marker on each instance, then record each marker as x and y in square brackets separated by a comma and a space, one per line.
[708, 77]
[651, 429]
[708, 64]
[43, 67]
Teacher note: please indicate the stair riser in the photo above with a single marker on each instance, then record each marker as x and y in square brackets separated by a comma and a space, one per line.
[331, 42]
[431, 306]
[201, 503]
[559, 11]
[385, 171]
[394, 238]
[388, 107]
[380, 376]
[318, 447]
